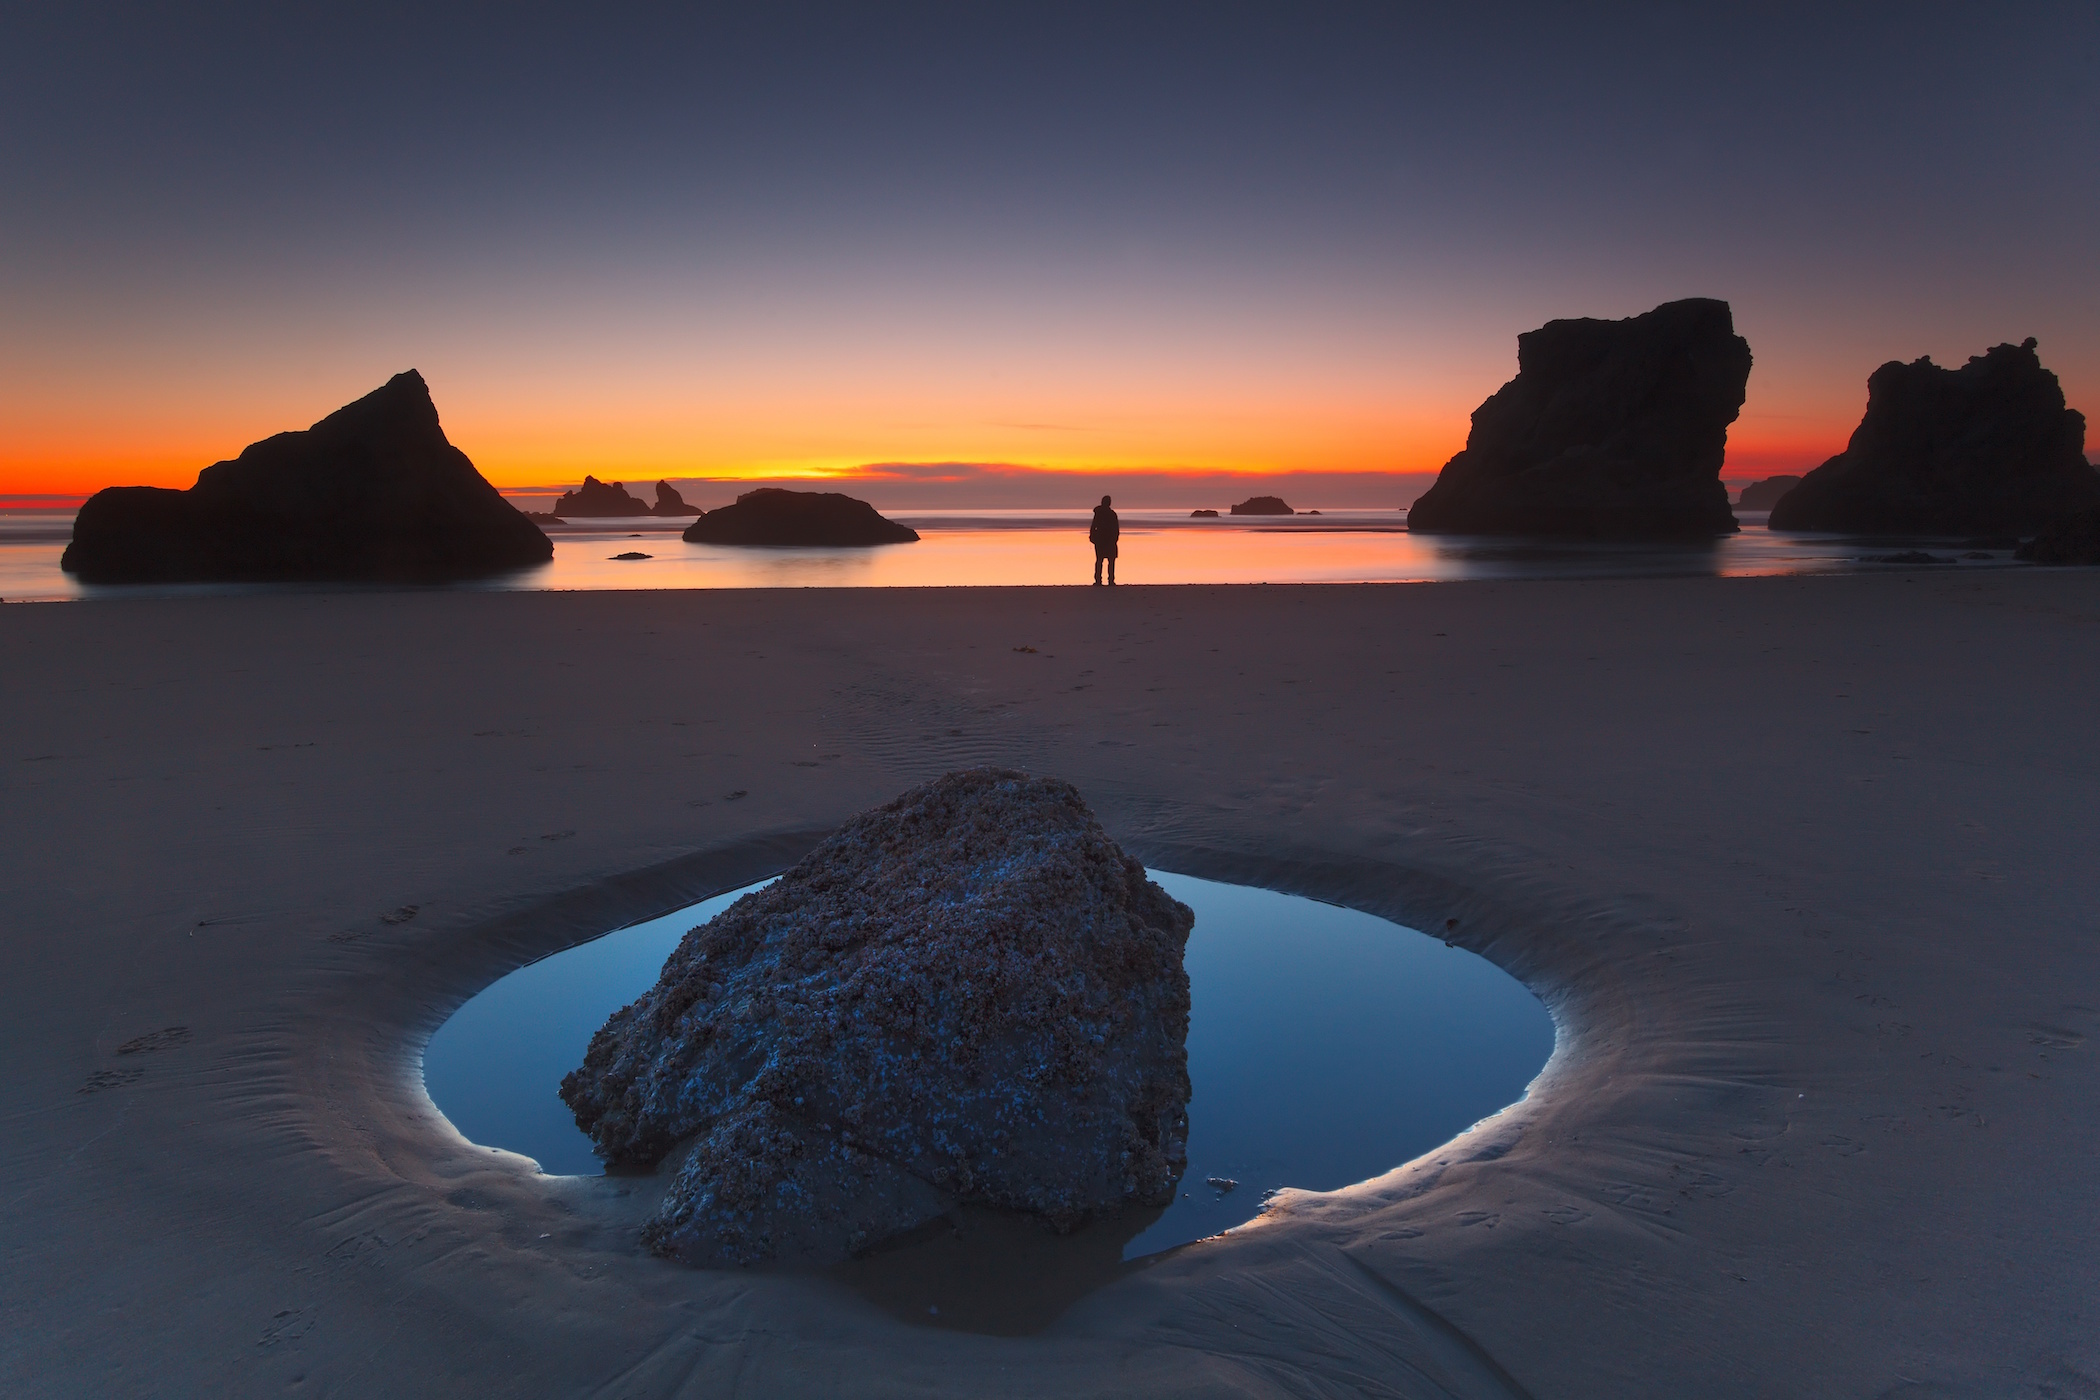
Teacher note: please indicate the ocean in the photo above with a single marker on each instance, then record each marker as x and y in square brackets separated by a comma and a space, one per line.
[965, 548]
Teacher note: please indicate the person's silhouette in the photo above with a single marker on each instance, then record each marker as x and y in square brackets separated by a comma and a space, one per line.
[1103, 532]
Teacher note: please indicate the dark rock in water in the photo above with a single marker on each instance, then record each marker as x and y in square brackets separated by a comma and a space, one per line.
[969, 995]
[596, 499]
[770, 515]
[1611, 430]
[669, 502]
[1263, 505]
[1988, 448]
[2073, 538]
[372, 491]
[633, 554]
[1763, 495]
[1203, 515]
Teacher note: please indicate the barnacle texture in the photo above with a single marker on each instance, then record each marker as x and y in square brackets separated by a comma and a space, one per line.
[967, 995]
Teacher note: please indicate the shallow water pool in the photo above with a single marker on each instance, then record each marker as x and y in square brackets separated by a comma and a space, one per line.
[1325, 1047]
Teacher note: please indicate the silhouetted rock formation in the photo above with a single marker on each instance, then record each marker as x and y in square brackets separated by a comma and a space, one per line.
[669, 502]
[2073, 538]
[1985, 448]
[1263, 505]
[967, 995]
[770, 515]
[597, 498]
[1203, 515]
[372, 491]
[1763, 495]
[1611, 430]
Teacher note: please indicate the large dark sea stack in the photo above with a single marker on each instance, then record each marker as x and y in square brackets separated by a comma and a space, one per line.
[969, 995]
[1611, 430]
[770, 515]
[1263, 505]
[372, 491]
[1985, 449]
[599, 499]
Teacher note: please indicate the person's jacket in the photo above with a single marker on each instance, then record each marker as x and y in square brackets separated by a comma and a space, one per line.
[1105, 528]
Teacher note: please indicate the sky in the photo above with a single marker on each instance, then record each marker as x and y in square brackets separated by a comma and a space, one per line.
[781, 240]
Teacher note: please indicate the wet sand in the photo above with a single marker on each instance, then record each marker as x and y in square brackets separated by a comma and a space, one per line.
[1802, 865]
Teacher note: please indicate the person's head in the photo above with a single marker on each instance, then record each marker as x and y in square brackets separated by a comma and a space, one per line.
[1104, 500]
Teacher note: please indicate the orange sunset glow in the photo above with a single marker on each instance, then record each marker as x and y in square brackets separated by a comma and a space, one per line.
[70, 439]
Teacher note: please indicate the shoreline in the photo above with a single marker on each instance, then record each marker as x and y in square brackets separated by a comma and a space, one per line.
[1794, 861]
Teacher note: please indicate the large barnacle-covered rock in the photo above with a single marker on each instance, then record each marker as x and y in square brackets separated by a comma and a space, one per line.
[969, 995]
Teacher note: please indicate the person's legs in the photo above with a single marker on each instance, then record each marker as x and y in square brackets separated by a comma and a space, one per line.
[1111, 570]
[1097, 568]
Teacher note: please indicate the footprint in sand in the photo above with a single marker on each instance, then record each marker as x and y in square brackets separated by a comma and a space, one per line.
[166, 1038]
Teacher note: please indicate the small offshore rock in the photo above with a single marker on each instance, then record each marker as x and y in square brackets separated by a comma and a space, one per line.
[1263, 505]
[1203, 515]
[669, 502]
[968, 995]
[1763, 495]
[2069, 539]
[1222, 1184]
[600, 499]
[633, 554]
[772, 516]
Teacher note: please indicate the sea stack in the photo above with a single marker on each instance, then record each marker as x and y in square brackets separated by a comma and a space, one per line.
[1763, 495]
[600, 499]
[1611, 430]
[1263, 505]
[771, 516]
[669, 502]
[1986, 449]
[969, 995]
[372, 491]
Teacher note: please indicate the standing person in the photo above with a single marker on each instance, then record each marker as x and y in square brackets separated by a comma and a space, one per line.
[1103, 532]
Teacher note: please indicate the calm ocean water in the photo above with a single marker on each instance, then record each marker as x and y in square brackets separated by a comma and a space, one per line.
[1039, 547]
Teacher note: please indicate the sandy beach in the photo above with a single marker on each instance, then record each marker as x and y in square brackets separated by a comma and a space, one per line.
[1802, 866]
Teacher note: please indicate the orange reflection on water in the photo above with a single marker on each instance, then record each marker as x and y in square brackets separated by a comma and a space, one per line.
[1043, 548]
[1040, 548]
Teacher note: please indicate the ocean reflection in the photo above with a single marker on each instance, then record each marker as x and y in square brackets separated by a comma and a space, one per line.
[1034, 547]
